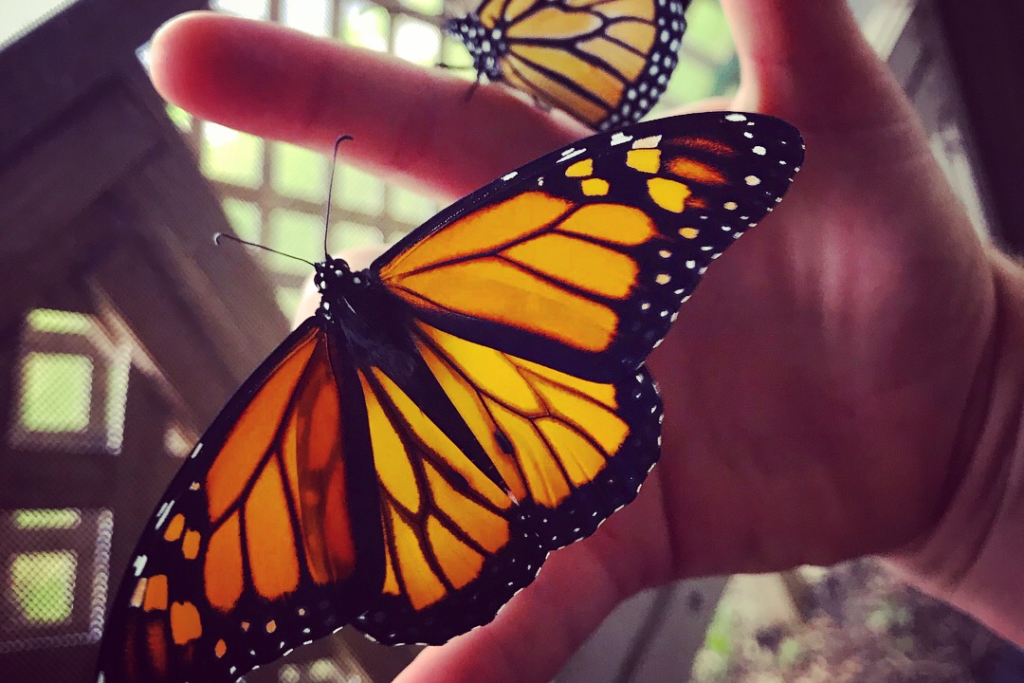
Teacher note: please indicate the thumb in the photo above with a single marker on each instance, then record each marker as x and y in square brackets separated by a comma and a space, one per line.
[534, 634]
[808, 62]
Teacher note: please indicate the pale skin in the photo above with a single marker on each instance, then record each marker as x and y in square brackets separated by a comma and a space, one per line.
[846, 381]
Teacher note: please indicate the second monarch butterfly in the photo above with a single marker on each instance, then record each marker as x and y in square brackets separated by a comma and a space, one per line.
[409, 455]
[605, 62]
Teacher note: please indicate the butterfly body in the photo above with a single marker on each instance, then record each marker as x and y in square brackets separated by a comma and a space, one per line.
[606, 62]
[407, 458]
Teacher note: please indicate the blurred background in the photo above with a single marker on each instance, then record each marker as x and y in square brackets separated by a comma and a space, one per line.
[123, 330]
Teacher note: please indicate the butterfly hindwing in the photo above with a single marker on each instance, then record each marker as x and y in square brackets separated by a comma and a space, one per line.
[570, 451]
[267, 538]
[457, 545]
[580, 260]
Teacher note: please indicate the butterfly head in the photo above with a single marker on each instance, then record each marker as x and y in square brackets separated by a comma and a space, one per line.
[337, 282]
[486, 45]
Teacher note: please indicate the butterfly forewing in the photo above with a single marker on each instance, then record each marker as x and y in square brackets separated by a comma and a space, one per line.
[267, 538]
[581, 260]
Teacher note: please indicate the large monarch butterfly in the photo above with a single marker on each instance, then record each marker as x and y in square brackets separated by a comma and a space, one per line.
[606, 62]
[409, 455]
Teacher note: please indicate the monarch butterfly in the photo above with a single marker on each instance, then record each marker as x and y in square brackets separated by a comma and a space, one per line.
[606, 62]
[409, 455]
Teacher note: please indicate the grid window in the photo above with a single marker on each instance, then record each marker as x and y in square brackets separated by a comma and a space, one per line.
[56, 392]
[43, 585]
[72, 385]
[322, 671]
[54, 568]
[274, 193]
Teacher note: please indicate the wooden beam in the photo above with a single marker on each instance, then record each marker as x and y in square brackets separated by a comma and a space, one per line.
[45, 187]
[52, 66]
[983, 39]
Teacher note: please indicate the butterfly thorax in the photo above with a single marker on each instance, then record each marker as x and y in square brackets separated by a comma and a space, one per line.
[487, 45]
[373, 323]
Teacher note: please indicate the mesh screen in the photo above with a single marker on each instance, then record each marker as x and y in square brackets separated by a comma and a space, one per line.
[71, 385]
[274, 193]
[55, 572]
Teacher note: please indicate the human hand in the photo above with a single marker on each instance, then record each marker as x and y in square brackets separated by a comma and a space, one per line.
[825, 388]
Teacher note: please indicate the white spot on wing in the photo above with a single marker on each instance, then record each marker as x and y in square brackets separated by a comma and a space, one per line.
[510, 176]
[651, 142]
[570, 153]
[735, 117]
[619, 138]
[195, 451]
[161, 515]
[139, 564]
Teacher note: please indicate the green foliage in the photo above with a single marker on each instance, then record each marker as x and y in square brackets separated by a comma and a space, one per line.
[708, 31]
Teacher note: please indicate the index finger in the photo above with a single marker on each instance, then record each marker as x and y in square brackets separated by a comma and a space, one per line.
[409, 122]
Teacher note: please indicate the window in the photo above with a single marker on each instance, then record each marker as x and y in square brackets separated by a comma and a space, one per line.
[72, 385]
[54, 565]
[274, 193]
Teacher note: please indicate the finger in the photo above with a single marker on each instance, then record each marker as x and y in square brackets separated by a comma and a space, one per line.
[537, 632]
[807, 61]
[407, 121]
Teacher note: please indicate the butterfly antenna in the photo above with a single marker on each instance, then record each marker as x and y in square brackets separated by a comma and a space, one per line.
[218, 236]
[330, 187]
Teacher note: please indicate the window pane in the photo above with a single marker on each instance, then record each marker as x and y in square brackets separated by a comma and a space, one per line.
[359, 191]
[298, 234]
[180, 118]
[349, 235]
[288, 300]
[298, 172]
[230, 156]
[409, 207]
[417, 41]
[56, 392]
[42, 585]
[244, 217]
[431, 7]
[62, 322]
[47, 519]
[456, 57]
[253, 9]
[311, 16]
[366, 25]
